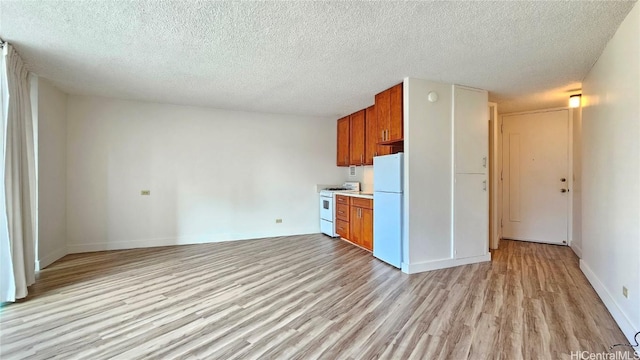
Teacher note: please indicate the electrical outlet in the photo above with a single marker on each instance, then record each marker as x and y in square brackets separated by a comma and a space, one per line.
[278, 221]
[625, 292]
[145, 192]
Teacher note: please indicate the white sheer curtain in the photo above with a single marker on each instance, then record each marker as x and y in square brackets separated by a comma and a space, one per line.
[17, 220]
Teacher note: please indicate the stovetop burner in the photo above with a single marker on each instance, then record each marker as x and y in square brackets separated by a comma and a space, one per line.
[336, 189]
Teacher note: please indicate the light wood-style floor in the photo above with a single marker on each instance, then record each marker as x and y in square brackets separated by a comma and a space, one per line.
[305, 297]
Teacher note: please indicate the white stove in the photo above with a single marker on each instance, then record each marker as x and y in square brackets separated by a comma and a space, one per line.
[327, 206]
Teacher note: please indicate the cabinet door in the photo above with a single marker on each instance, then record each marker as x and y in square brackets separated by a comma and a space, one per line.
[343, 199]
[356, 138]
[370, 139]
[367, 229]
[471, 215]
[395, 114]
[342, 212]
[383, 103]
[342, 158]
[384, 150]
[355, 231]
[471, 130]
[342, 228]
[362, 202]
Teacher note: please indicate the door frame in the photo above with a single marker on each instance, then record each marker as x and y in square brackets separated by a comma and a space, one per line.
[498, 171]
[495, 232]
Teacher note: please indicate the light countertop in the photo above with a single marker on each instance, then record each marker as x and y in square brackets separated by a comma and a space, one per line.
[356, 194]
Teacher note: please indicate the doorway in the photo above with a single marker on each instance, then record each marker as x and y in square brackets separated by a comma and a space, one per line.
[535, 174]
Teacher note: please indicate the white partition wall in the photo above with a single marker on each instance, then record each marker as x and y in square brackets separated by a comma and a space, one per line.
[430, 188]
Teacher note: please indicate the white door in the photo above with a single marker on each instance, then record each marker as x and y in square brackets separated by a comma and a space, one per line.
[471, 115]
[471, 215]
[535, 176]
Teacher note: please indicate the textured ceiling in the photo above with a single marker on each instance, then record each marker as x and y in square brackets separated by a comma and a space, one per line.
[314, 58]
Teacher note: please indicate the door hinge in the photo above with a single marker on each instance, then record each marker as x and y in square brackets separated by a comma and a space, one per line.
[501, 128]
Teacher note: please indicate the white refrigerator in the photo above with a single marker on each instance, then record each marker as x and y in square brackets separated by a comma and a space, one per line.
[387, 205]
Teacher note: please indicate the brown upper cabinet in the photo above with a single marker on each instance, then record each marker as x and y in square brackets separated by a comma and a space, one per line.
[371, 147]
[342, 158]
[357, 138]
[374, 131]
[389, 119]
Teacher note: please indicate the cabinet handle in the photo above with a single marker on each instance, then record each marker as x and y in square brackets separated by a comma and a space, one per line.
[484, 185]
[484, 162]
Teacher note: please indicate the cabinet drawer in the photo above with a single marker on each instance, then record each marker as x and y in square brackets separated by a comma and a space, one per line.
[362, 203]
[342, 228]
[342, 212]
[342, 199]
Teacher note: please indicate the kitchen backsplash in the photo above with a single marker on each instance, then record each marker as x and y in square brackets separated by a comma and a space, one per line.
[364, 174]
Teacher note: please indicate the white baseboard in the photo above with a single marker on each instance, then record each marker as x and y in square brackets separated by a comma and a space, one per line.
[50, 258]
[577, 250]
[442, 264]
[183, 240]
[625, 324]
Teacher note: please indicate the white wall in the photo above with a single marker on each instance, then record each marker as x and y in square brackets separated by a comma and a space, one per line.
[611, 175]
[428, 172]
[52, 173]
[214, 175]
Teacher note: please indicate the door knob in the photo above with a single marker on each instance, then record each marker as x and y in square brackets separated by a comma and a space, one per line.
[563, 190]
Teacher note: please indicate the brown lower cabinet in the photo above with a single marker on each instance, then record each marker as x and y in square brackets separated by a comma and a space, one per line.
[342, 228]
[356, 224]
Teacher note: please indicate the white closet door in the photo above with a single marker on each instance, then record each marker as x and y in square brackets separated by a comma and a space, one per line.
[471, 119]
[471, 215]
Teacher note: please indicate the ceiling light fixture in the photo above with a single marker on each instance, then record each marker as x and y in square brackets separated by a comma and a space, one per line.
[574, 101]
